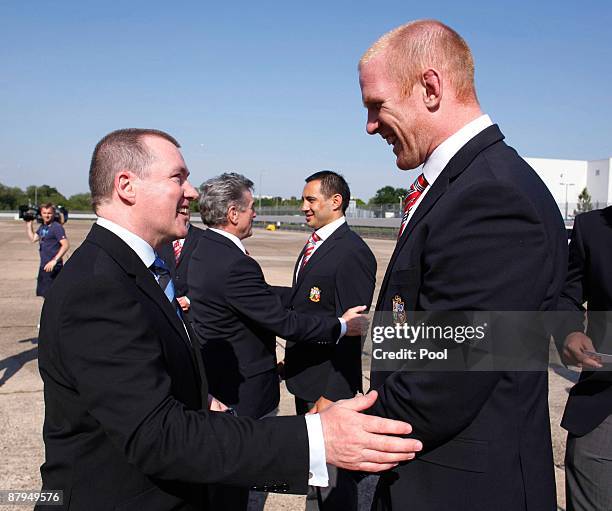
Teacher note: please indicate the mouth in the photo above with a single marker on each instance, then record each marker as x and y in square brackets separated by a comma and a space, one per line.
[392, 141]
[183, 210]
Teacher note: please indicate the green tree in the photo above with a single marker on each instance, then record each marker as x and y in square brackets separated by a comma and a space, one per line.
[388, 195]
[584, 202]
[11, 197]
[45, 193]
[79, 202]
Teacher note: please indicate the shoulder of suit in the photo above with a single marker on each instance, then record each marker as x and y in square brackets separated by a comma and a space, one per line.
[595, 218]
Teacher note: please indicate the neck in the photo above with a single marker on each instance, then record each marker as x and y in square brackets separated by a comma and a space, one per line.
[230, 228]
[451, 120]
[125, 220]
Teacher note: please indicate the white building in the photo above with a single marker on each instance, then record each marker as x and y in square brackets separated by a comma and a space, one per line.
[567, 178]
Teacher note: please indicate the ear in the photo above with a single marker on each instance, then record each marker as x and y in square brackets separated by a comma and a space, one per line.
[232, 214]
[336, 201]
[124, 186]
[432, 89]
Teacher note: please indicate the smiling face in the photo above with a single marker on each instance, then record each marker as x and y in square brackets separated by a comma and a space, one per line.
[163, 196]
[47, 215]
[398, 118]
[318, 209]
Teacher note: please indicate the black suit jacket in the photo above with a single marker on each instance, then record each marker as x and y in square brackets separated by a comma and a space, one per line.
[180, 269]
[589, 279]
[237, 317]
[487, 236]
[342, 274]
[126, 425]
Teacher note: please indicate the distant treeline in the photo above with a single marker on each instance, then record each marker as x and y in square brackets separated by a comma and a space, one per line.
[13, 197]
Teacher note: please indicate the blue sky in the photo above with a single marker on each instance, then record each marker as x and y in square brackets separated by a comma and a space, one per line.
[270, 89]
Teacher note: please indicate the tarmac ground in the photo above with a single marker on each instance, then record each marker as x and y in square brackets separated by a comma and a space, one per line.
[21, 389]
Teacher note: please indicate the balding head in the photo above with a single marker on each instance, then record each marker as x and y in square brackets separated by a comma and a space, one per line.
[413, 48]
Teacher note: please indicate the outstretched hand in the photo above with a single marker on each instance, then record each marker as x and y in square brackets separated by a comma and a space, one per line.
[356, 323]
[356, 441]
[574, 348]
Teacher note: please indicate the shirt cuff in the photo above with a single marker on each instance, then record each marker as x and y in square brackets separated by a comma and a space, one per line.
[317, 469]
[343, 328]
[188, 300]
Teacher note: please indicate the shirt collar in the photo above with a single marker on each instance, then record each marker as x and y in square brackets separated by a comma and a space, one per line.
[235, 239]
[434, 165]
[327, 230]
[143, 250]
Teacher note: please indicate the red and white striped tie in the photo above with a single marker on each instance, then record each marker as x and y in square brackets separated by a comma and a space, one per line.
[312, 241]
[414, 192]
[176, 245]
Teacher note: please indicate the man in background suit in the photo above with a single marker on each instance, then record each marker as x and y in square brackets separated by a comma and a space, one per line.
[236, 314]
[588, 413]
[480, 232]
[126, 419]
[335, 270]
[177, 255]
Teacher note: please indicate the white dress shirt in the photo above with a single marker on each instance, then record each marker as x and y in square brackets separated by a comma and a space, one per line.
[434, 165]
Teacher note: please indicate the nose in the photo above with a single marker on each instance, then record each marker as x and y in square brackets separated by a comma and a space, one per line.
[189, 191]
[305, 206]
[372, 122]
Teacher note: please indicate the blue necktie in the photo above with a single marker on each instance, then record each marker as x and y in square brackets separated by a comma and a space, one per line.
[162, 276]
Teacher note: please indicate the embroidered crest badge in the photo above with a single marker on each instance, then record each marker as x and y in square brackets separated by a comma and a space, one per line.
[398, 309]
[315, 294]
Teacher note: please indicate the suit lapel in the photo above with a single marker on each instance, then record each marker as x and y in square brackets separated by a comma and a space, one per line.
[457, 164]
[190, 240]
[134, 267]
[318, 255]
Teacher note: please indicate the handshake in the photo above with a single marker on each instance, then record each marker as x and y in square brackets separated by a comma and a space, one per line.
[356, 322]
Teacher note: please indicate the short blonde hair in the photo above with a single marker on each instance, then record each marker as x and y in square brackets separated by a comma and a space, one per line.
[418, 45]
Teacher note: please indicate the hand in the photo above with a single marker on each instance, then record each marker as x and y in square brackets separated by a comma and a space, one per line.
[321, 404]
[355, 441]
[50, 265]
[182, 300]
[356, 323]
[214, 405]
[574, 349]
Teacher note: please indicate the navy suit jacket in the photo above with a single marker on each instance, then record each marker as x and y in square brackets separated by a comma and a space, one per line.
[126, 424]
[237, 317]
[340, 274]
[589, 279]
[487, 236]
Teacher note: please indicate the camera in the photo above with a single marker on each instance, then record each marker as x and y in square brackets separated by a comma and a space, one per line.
[29, 213]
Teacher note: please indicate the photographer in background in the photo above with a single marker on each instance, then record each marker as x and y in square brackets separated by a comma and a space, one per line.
[53, 245]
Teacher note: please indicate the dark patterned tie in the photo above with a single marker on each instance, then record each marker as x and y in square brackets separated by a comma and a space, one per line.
[415, 191]
[162, 276]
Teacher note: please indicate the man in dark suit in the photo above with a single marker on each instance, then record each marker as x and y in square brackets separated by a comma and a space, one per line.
[177, 255]
[335, 270]
[126, 418]
[236, 314]
[588, 413]
[480, 232]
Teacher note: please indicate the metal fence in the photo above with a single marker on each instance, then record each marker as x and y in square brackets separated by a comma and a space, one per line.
[568, 210]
